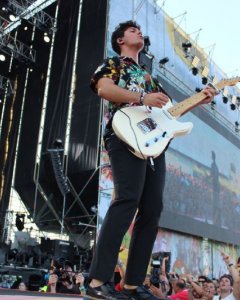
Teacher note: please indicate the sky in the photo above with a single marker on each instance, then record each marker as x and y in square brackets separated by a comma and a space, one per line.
[219, 21]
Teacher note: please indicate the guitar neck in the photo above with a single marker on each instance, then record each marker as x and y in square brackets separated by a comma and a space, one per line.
[184, 106]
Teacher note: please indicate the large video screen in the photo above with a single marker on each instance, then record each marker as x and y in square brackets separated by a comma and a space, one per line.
[202, 192]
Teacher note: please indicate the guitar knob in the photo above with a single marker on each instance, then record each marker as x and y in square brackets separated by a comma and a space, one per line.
[147, 145]
[156, 139]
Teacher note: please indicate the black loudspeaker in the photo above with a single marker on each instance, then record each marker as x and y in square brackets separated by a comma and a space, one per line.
[59, 249]
[34, 282]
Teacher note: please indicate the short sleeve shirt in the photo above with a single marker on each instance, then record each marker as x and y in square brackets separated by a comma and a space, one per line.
[125, 73]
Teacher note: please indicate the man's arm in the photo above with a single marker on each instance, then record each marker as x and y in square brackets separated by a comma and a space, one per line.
[108, 90]
[233, 271]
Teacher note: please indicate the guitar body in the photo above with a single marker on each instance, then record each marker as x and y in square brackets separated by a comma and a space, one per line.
[148, 131]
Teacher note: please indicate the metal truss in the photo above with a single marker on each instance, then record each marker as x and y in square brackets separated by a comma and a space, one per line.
[33, 12]
[11, 46]
[5, 85]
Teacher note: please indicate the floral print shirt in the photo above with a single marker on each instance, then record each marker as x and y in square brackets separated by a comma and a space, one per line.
[126, 73]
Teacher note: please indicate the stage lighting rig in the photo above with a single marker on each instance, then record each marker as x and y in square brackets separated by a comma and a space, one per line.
[31, 11]
[11, 46]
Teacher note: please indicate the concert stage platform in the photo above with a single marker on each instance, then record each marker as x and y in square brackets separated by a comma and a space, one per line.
[8, 294]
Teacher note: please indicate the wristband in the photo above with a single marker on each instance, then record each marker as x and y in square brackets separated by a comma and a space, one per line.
[142, 95]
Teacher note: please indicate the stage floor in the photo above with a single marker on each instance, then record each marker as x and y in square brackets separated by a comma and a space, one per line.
[8, 294]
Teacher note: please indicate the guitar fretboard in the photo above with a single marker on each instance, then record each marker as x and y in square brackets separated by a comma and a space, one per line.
[182, 107]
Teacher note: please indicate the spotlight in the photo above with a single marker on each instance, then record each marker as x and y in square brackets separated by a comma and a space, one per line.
[198, 90]
[186, 48]
[2, 57]
[94, 209]
[204, 80]
[46, 37]
[194, 71]
[20, 221]
[163, 61]
[195, 63]
[186, 44]
[12, 18]
[225, 99]
[58, 143]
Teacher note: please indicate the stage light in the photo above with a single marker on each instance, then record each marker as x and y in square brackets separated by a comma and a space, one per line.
[94, 209]
[186, 44]
[194, 71]
[195, 63]
[12, 18]
[163, 61]
[205, 73]
[58, 143]
[46, 37]
[204, 80]
[20, 221]
[2, 57]
[225, 99]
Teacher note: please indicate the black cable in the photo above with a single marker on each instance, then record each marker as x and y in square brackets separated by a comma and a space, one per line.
[130, 123]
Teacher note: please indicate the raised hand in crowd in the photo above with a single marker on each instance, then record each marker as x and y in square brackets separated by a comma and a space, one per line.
[52, 283]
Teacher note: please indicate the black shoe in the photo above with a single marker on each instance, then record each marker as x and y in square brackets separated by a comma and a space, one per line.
[140, 293]
[104, 291]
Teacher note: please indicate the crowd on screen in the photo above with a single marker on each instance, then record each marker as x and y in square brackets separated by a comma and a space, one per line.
[186, 198]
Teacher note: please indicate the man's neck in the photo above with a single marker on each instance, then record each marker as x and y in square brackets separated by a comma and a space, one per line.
[132, 54]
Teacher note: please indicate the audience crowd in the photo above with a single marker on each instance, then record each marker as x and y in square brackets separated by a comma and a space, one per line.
[165, 285]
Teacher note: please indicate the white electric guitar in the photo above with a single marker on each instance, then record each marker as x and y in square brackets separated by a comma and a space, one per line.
[147, 131]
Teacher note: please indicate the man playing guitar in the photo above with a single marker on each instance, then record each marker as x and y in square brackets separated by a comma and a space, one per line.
[138, 185]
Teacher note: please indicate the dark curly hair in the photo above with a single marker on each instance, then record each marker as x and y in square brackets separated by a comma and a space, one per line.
[119, 33]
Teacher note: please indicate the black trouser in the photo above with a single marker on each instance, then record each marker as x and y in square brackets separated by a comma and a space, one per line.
[136, 186]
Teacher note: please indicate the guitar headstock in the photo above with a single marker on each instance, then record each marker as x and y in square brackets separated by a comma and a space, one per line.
[228, 82]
